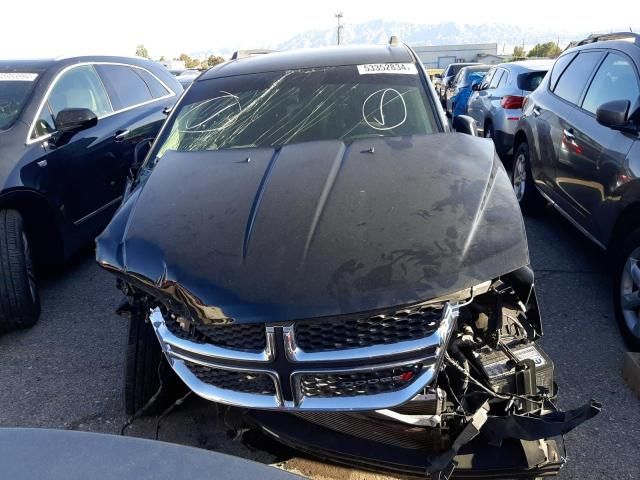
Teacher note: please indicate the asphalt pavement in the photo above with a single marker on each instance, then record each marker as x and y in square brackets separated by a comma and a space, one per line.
[66, 372]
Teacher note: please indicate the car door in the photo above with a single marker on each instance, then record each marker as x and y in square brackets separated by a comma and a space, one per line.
[576, 152]
[490, 98]
[74, 171]
[139, 98]
[476, 102]
[593, 164]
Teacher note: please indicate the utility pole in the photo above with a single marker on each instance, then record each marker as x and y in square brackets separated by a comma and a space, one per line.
[339, 16]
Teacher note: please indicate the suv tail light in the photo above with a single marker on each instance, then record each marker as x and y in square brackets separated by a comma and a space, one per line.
[511, 101]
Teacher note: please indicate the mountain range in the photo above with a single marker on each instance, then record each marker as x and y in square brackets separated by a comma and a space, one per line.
[448, 33]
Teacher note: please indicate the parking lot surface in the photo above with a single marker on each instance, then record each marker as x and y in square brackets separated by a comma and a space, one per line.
[66, 372]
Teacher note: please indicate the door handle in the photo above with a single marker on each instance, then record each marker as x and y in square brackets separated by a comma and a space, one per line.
[537, 111]
[120, 135]
[569, 139]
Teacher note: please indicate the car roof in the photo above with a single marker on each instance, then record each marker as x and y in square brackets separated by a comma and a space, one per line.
[629, 47]
[476, 68]
[310, 58]
[529, 65]
[42, 64]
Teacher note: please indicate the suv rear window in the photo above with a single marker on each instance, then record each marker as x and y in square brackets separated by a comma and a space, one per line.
[284, 107]
[530, 81]
[573, 80]
[558, 67]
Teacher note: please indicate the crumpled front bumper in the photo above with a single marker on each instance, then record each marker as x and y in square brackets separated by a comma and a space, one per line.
[477, 459]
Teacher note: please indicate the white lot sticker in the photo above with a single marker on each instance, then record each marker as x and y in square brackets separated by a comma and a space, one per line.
[17, 77]
[402, 68]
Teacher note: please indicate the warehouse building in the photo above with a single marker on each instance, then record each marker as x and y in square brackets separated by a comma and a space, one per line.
[439, 56]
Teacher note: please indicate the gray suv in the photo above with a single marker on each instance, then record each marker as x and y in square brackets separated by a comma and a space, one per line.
[577, 147]
[496, 103]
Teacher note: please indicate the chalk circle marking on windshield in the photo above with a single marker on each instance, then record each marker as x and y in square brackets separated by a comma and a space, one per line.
[386, 95]
[222, 98]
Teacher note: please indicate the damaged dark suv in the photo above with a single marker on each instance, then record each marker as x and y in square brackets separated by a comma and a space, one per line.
[308, 241]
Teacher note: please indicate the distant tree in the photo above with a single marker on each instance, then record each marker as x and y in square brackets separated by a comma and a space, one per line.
[549, 49]
[518, 52]
[162, 59]
[141, 51]
[213, 60]
[188, 61]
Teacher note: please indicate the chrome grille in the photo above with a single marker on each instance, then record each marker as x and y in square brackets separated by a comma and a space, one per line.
[246, 382]
[349, 332]
[371, 373]
[358, 383]
[249, 337]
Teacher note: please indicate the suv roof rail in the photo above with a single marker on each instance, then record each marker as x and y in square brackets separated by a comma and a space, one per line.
[601, 37]
[250, 53]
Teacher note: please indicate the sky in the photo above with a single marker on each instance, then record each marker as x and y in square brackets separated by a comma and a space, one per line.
[39, 28]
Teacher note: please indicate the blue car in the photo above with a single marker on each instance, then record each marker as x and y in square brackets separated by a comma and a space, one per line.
[461, 83]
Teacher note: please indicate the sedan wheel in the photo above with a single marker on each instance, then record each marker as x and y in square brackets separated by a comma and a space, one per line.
[630, 297]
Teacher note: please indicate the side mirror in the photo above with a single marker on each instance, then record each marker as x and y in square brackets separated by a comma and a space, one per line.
[71, 120]
[465, 124]
[614, 114]
[475, 86]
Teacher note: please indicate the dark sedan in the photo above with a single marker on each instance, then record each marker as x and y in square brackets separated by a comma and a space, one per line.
[69, 132]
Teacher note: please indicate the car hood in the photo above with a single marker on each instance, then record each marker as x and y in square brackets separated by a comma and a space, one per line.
[318, 228]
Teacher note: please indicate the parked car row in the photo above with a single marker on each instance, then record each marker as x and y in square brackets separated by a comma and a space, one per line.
[574, 136]
[577, 148]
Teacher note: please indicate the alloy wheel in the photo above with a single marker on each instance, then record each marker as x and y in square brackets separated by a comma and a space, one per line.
[630, 292]
[519, 176]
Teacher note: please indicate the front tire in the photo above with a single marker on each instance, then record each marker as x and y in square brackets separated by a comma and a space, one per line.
[530, 200]
[145, 368]
[19, 299]
[626, 290]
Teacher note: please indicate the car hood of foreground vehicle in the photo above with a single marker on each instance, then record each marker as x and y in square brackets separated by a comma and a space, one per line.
[318, 228]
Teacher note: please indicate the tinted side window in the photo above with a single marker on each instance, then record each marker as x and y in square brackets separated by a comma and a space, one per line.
[616, 79]
[487, 79]
[575, 77]
[503, 80]
[558, 68]
[125, 87]
[496, 78]
[155, 87]
[79, 87]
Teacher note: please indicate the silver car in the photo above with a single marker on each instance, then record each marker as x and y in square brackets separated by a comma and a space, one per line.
[496, 104]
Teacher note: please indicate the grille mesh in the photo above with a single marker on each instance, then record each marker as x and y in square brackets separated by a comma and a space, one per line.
[247, 382]
[360, 383]
[249, 337]
[352, 332]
